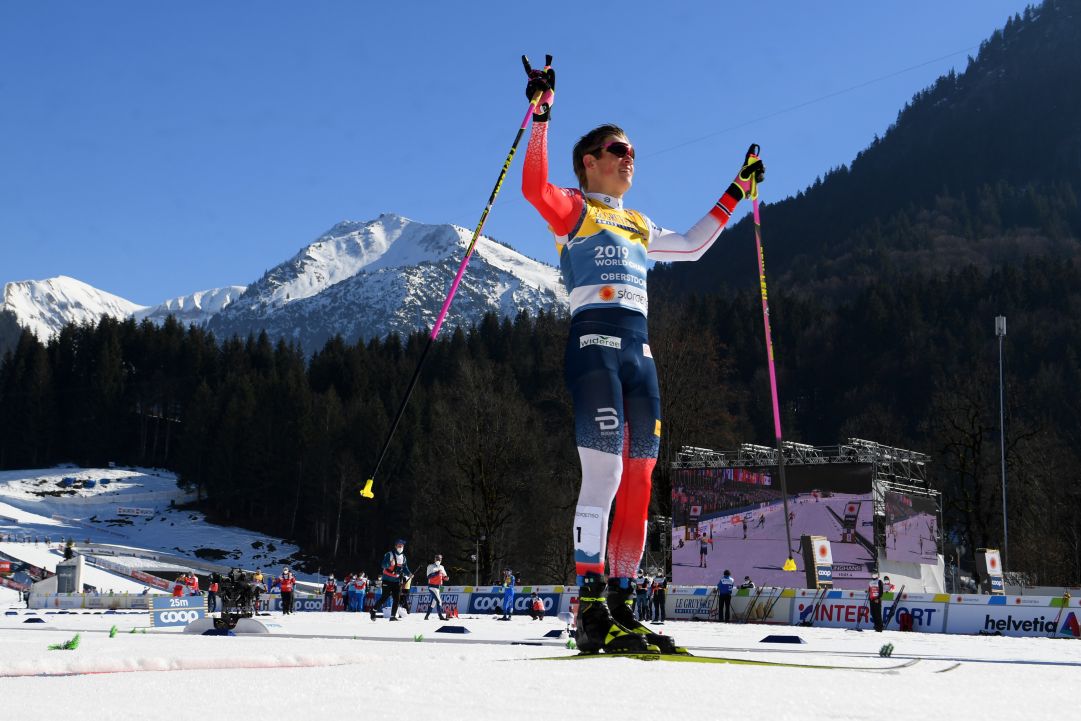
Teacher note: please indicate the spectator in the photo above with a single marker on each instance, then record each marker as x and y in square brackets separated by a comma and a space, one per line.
[724, 596]
[660, 589]
[330, 588]
[286, 582]
[641, 599]
[212, 593]
[178, 585]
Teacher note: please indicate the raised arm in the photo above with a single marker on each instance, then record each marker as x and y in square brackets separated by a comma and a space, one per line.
[668, 245]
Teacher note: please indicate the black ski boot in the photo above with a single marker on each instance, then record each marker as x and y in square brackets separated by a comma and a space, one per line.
[621, 606]
[597, 631]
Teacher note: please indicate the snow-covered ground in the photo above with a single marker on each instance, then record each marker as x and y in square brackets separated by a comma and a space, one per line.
[37, 512]
[316, 664]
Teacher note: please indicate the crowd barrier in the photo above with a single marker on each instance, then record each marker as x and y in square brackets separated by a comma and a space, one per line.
[107, 601]
[1046, 616]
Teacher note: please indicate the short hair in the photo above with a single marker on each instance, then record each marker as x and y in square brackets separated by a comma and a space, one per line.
[589, 144]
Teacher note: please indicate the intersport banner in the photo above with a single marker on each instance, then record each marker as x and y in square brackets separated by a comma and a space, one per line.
[849, 609]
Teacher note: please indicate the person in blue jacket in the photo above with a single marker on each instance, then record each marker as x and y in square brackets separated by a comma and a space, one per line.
[508, 594]
[724, 596]
[395, 573]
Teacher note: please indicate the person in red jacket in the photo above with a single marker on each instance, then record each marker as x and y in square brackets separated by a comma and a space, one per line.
[286, 582]
[212, 593]
[178, 586]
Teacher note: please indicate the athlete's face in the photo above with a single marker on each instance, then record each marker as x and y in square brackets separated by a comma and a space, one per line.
[607, 172]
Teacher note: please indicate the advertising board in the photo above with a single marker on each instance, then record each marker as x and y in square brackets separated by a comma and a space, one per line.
[176, 611]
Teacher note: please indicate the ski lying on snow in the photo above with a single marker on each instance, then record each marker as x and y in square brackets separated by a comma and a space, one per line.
[687, 658]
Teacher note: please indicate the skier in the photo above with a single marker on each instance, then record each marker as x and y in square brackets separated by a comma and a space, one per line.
[703, 549]
[724, 596]
[744, 528]
[508, 595]
[286, 582]
[604, 250]
[747, 583]
[437, 576]
[395, 571]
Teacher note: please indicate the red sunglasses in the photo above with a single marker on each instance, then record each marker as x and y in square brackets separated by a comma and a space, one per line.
[619, 149]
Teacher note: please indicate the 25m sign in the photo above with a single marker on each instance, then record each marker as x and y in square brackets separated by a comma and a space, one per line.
[177, 611]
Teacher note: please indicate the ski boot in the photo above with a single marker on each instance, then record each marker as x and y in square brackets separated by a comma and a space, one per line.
[597, 631]
[621, 606]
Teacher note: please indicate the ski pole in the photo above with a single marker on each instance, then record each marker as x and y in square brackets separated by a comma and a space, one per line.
[367, 490]
[752, 153]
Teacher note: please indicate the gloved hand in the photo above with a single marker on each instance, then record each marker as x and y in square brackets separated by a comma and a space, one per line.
[749, 176]
[543, 82]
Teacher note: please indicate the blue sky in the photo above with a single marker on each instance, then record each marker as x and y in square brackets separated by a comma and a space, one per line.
[156, 149]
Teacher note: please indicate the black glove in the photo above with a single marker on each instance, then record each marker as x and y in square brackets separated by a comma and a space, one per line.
[543, 82]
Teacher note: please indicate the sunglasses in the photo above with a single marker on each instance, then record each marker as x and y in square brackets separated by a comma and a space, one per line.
[619, 149]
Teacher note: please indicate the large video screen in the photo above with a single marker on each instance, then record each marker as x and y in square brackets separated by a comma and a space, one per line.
[911, 528]
[733, 518]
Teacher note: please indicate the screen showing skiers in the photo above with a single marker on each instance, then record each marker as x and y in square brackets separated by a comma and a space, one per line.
[911, 528]
[733, 518]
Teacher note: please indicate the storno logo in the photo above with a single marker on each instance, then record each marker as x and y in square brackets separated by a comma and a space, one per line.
[178, 616]
[606, 292]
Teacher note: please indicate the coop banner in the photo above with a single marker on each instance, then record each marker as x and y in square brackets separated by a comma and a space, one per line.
[176, 611]
[741, 526]
[488, 602]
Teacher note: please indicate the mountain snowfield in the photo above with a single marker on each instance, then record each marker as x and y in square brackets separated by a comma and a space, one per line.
[46, 306]
[197, 308]
[388, 275]
[358, 280]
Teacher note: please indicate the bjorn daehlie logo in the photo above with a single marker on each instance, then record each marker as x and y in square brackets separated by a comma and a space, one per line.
[607, 419]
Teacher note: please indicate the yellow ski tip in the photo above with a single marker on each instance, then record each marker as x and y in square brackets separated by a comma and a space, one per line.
[367, 490]
[789, 565]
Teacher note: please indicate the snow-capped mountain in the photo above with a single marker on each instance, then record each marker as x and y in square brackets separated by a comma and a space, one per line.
[358, 280]
[46, 306]
[197, 308]
[387, 275]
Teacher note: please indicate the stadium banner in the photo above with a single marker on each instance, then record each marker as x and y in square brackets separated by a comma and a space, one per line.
[176, 611]
[763, 605]
[133, 511]
[140, 576]
[301, 601]
[741, 526]
[487, 602]
[690, 603]
[1014, 616]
